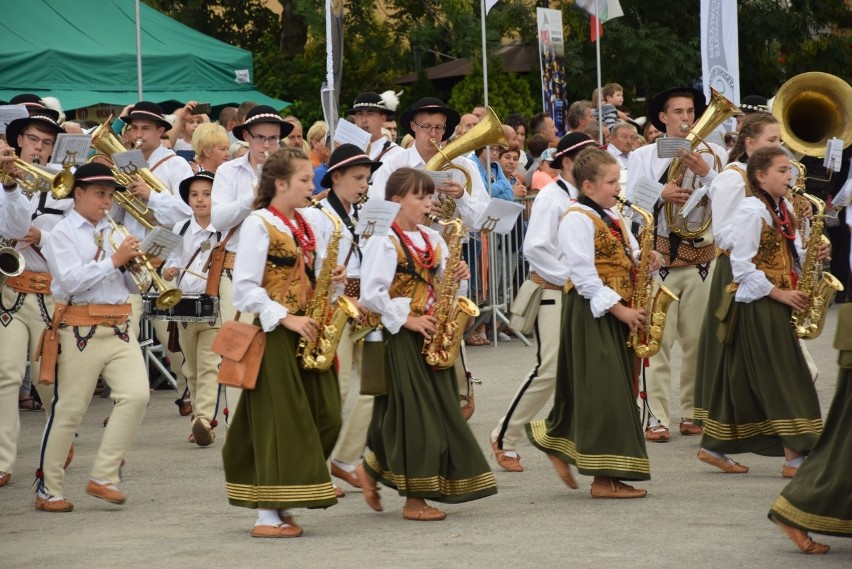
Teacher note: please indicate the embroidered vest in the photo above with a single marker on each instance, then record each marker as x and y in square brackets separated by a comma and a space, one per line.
[285, 278]
[611, 261]
[412, 281]
[773, 258]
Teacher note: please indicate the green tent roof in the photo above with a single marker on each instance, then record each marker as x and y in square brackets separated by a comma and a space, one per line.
[84, 52]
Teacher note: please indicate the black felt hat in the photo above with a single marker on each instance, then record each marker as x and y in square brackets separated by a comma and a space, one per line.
[754, 104]
[18, 126]
[184, 186]
[263, 114]
[96, 173]
[658, 102]
[370, 102]
[146, 110]
[35, 105]
[430, 105]
[570, 145]
[344, 156]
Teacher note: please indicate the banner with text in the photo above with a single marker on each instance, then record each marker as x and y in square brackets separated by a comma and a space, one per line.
[552, 52]
[720, 65]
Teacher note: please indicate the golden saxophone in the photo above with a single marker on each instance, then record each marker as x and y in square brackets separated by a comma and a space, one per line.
[331, 316]
[818, 285]
[646, 343]
[442, 349]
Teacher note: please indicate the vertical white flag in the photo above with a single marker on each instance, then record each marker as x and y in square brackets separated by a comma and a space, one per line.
[489, 4]
[720, 67]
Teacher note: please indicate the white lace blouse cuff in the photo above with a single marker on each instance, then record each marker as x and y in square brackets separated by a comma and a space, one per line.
[271, 316]
[603, 300]
[753, 286]
[396, 315]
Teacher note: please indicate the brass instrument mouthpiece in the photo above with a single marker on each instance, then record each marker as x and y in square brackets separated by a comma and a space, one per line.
[684, 127]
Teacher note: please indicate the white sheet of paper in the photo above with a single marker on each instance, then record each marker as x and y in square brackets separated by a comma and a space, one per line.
[8, 113]
[499, 217]
[75, 147]
[667, 147]
[160, 243]
[833, 154]
[130, 161]
[693, 200]
[440, 177]
[348, 133]
[376, 218]
[646, 193]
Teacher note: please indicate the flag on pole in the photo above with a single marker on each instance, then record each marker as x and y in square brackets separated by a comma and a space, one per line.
[720, 49]
[330, 93]
[606, 10]
[489, 4]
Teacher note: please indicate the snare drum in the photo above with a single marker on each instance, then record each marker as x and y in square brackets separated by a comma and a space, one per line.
[191, 308]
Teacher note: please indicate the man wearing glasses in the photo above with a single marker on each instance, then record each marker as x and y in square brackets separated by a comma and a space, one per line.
[233, 199]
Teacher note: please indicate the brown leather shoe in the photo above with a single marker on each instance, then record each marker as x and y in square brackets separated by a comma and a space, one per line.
[4, 478]
[728, 466]
[184, 407]
[616, 489]
[106, 492]
[203, 434]
[563, 469]
[658, 434]
[348, 477]
[69, 457]
[289, 520]
[690, 429]
[369, 489]
[280, 530]
[789, 471]
[425, 514]
[802, 540]
[508, 463]
[45, 505]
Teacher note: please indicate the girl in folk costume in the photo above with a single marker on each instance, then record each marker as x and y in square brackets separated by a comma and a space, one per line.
[282, 432]
[594, 423]
[763, 399]
[418, 439]
[726, 192]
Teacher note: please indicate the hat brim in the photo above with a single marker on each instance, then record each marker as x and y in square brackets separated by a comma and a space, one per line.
[285, 127]
[655, 107]
[129, 118]
[186, 183]
[453, 119]
[388, 114]
[326, 179]
[17, 126]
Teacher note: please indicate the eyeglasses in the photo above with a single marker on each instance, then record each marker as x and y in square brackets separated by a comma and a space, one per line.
[265, 139]
[48, 143]
[431, 128]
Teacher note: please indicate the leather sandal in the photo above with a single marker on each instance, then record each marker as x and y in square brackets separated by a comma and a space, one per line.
[4, 478]
[789, 471]
[690, 429]
[657, 434]
[203, 434]
[726, 464]
[369, 489]
[48, 505]
[30, 404]
[425, 514]
[279, 530]
[616, 489]
[349, 477]
[508, 463]
[802, 540]
[563, 469]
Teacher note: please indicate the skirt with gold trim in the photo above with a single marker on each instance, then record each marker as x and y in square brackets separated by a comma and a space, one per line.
[763, 399]
[282, 432]
[819, 498]
[594, 423]
[419, 441]
[710, 348]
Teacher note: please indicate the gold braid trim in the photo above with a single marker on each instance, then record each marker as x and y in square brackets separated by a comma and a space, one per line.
[250, 493]
[780, 427]
[587, 461]
[699, 414]
[813, 522]
[434, 483]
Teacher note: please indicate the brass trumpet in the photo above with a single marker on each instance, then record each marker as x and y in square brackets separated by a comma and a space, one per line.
[35, 179]
[167, 297]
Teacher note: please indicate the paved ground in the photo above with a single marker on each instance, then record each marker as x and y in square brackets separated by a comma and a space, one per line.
[177, 514]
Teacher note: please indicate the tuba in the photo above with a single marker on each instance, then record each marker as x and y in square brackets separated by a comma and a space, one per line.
[318, 355]
[647, 343]
[718, 111]
[488, 131]
[106, 144]
[142, 272]
[442, 350]
[818, 285]
[11, 262]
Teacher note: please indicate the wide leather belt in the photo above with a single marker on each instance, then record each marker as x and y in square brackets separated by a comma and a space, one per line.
[30, 282]
[96, 314]
[534, 277]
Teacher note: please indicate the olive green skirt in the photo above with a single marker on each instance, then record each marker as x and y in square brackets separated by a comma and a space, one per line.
[594, 423]
[819, 498]
[709, 347]
[419, 441]
[763, 399]
[282, 432]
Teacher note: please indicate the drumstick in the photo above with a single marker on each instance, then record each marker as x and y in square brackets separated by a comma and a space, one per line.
[193, 273]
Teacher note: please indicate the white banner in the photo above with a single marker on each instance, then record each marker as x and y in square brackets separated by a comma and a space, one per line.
[720, 67]
[551, 48]
[489, 4]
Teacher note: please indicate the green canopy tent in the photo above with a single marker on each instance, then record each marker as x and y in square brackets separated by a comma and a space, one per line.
[84, 53]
